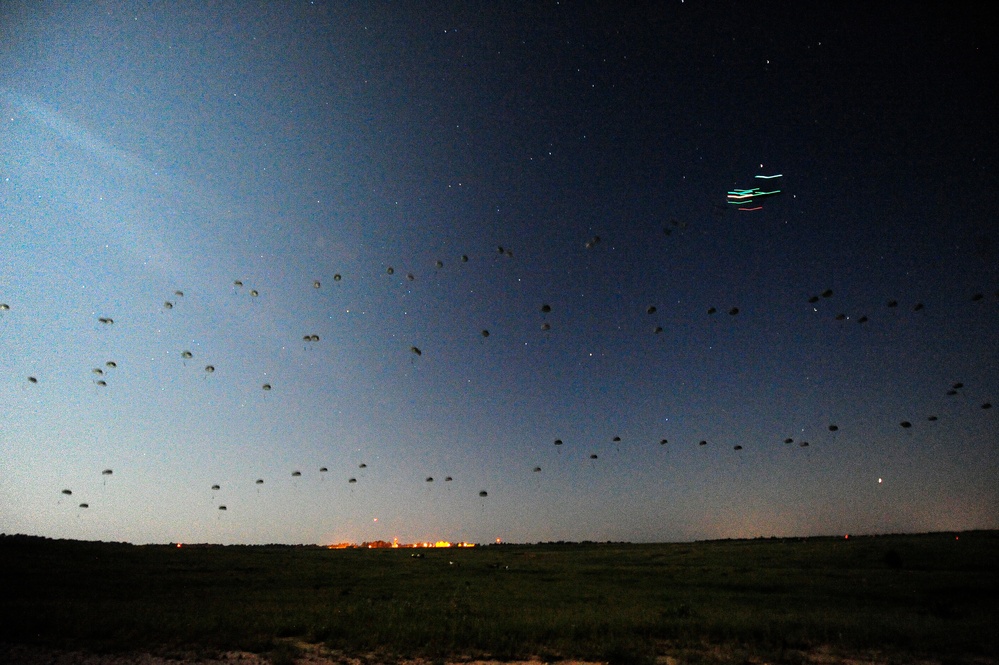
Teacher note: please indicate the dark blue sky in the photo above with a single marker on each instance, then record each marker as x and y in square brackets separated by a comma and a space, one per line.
[146, 150]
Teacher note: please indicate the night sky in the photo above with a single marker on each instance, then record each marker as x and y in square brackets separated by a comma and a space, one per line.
[385, 177]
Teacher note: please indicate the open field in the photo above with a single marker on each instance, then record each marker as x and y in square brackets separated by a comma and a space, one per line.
[903, 597]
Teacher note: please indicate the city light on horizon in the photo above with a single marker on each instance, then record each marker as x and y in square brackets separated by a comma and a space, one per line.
[395, 544]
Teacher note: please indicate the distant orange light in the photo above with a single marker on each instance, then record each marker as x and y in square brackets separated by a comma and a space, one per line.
[847, 537]
[178, 545]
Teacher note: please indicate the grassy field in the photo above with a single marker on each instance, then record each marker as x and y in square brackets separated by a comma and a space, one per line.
[908, 596]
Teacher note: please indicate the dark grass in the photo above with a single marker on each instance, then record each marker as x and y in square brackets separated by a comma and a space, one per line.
[907, 595]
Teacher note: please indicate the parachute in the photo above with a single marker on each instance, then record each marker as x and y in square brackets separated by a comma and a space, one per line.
[67, 492]
[483, 493]
[260, 481]
[186, 354]
[545, 309]
[430, 479]
[209, 368]
[32, 379]
[296, 474]
[416, 350]
[537, 469]
[336, 277]
[112, 364]
[316, 284]
[833, 428]
[216, 487]
[266, 386]
[485, 333]
[558, 442]
[663, 442]
[107, 472]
